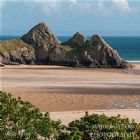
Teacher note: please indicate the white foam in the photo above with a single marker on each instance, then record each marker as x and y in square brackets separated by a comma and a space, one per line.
[133, 61]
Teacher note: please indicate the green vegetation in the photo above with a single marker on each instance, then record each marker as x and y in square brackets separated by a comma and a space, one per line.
[101, 127]
[10, 45]
[74, 54]
[73, 51]
[66, 48]
[22, 121]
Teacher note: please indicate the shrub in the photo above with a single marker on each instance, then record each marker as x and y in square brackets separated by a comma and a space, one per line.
[101, 127]
[20, 120]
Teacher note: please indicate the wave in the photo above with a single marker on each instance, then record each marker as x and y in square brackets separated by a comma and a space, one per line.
[133, 61]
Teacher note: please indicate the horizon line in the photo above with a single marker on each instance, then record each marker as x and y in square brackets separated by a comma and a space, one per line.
[85, 35]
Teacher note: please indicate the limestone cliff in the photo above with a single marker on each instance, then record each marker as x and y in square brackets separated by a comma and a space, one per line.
[42, 38]
[77, 40]
[82, 52]
[16, 52]
[41, 46]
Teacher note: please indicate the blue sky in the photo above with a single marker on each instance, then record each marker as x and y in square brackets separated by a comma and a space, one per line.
[65, 17]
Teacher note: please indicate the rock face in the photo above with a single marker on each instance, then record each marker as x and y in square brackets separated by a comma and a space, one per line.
[77, 40]
[101, 54]
[42, 39]
[40, 46]
[16, 52]
[94, 52]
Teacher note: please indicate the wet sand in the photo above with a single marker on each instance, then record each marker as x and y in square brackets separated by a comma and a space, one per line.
[54, 88]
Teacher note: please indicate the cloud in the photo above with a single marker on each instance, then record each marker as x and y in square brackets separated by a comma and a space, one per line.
[49, 7]
[73, 1]
[2, 3]
[75, 8]
[85, 6]
[68, 16]
[104, 6]
[122, 5]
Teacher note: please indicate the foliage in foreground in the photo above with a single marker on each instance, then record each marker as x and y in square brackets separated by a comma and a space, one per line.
[101, 127]
[22, 121]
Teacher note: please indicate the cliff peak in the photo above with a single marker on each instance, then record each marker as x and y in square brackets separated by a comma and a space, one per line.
[41, 24]
[77, 39]
[99, 40]
[39, 31]
[42, 38]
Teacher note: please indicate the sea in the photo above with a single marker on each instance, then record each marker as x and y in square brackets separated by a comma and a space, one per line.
[128, 47]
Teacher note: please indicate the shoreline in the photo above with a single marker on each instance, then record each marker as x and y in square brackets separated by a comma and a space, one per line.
[133, 61]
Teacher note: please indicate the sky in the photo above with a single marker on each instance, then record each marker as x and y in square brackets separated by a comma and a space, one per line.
[66, 17]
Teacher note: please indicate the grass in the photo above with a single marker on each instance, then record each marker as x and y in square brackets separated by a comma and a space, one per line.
[65, 47]
[72, 53]
[10, 45]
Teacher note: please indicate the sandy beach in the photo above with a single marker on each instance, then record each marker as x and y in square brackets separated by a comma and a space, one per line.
[56, 88]
[68, 116]
[68, 92]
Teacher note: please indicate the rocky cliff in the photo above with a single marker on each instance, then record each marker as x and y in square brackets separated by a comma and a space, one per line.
[42, 38]
[77, 40]
[16, 52]
[41, 46]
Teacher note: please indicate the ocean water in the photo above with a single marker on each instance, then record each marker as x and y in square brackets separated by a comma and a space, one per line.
[128, 47]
